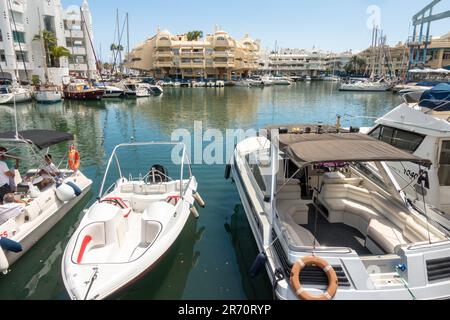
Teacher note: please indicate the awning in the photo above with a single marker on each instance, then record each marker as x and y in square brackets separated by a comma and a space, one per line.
[40, 138]
[306, 149]
[287, 134]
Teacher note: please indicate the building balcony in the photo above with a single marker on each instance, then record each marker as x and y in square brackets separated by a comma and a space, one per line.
[17, 6]
[79, 34]
[223, 54]
[164, 64]
[18, 46]
[78, 67]
[221, 43]
[17, 26]
[22, 66]
[77, 50]
[223, 65]
[163, 43]
[163, 54]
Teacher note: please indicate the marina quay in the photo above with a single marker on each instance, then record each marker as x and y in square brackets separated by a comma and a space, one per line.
[224, 156]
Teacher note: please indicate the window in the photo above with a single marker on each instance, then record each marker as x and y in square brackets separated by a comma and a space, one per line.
[2, 56]
[21, 56]
[16, 17]
[253, 163]
[49, 23]
[446, 55]
[1, 36]
[444, 164]
[19, 36]
[176, 52]
[405, 140]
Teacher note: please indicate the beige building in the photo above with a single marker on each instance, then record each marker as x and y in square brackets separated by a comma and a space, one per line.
[217, 55]
[438, 52]
[387, 59]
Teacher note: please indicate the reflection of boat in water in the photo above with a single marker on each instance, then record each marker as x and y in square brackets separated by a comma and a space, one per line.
[246, 250]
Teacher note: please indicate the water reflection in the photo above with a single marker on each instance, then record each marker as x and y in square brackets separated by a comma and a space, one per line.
[246, 250]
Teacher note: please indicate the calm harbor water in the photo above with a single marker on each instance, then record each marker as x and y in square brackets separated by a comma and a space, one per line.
[212, 257]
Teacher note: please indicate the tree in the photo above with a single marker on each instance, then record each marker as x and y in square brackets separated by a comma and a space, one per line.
[194, 35]
[52, 51]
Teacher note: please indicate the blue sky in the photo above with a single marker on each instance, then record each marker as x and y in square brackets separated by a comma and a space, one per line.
[326, 24]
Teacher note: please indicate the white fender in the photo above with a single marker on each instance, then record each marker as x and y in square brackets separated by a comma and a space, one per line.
[4, 264]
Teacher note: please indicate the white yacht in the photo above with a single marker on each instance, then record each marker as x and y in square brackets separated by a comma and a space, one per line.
[280, 81]
[14, 94]
[130, 228]
[329, 228]
[366, 86]
[421, 127]
[110, 91]
[48, 94]
[46, 198]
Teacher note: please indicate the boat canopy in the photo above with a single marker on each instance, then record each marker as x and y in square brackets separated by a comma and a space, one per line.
[305, 149]
[40, 138]
[438, 97]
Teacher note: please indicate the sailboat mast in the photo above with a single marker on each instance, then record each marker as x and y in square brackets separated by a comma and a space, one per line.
[128, 37]
[41, 36]
[118, 37]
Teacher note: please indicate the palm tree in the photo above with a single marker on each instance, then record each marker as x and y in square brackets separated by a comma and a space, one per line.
[194, 35]
[48, 40]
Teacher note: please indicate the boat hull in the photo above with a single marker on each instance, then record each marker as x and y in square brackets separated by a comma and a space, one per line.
[21, 97]
[87, 95]
[48, 97]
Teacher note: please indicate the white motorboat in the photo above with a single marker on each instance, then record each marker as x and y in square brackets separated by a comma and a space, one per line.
[48, 94]
[110, 91]
[47, 198]
[129, 229]
[329, 228]
[280, 81]
[220, 84]
[156, 90]
[422, 128]
[134, 89]
[366, 86]
[14, 94]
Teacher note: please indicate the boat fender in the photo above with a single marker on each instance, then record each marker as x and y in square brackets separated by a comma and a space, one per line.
[4, 264]
[258, 264]
[10, 245]
[65, 192]
[75, 188]
[199, 199]
[195, 212]
[227, 171]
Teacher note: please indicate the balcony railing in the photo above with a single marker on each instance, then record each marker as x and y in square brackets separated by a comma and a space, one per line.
[78, 67]
[415, 40]
[74, 34]
[163, 54]
[163, 43]
[77, 50]
[164, 64]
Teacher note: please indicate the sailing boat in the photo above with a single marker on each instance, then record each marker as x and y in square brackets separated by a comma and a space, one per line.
[382, 85]
[13, 92]
[48, 93]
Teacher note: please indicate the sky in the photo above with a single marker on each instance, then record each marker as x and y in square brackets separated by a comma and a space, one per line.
[336, 25]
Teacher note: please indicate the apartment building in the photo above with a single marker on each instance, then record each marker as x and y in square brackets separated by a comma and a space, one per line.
[22, 56]
[302, 62]
[217, 55]
[438, 52]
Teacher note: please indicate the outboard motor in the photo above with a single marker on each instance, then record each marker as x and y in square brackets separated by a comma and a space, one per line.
[158, 174]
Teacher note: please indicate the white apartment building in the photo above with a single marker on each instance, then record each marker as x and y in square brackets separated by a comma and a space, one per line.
[22, 56]
[302, 62]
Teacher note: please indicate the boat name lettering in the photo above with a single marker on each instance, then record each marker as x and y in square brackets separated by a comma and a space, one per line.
[413, 175]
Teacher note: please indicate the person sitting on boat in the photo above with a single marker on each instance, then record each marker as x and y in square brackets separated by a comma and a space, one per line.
[50, 169]
[10, 208]
[5, 174]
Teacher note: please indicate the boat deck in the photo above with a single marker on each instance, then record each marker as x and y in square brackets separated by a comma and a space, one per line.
[335, 234]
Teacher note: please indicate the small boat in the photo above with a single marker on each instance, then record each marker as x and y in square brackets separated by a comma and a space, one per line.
[48, 94]
[10, 94]
[110, 91]
[366, 86]
[46, 199]
[155, 89]
[280, 81]
[129, 229]
[82, 90]
[220, 83]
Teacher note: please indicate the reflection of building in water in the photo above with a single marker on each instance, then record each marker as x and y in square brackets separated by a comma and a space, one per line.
[167, 281]
[216, 108]
[257, 288]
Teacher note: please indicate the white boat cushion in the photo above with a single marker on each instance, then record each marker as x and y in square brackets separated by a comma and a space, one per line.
[386, 234]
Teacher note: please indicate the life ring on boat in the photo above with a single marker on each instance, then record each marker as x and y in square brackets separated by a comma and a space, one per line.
[300, 292]
[74, 159]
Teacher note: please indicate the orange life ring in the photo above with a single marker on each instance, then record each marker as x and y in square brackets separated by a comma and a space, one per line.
[74, 159]
[300, 292]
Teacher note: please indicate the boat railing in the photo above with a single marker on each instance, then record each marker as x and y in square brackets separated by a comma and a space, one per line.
[184, 162]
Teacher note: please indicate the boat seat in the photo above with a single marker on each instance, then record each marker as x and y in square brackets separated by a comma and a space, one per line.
[296, 234]
[150, 189]
[339, 178]
[385, 234]
[296, 209]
